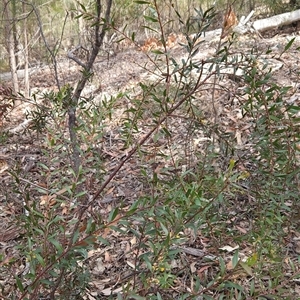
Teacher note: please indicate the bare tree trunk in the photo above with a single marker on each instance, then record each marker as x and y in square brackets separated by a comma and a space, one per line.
[26, 56]
[97, 43]
[82, 38]
[11, 46]
[14, 30]
[146, 30]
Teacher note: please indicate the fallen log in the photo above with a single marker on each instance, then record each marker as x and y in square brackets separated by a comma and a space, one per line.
[21, 74]
[276, 21]
[245, 26]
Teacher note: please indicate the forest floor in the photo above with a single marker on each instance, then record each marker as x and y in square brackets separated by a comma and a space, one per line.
[112, 266]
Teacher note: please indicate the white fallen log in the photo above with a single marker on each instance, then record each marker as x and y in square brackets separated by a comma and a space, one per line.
[21, 74]
[21, 127]
[276, 21]
[244, 26]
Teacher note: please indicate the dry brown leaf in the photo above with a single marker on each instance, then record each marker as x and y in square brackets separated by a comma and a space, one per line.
[229, 248]
[83, 225]
[133, 241]
[107, 257]
[128, 248]
[230, 20]
[10, 234]
[171, 41]
[43, 185]
[201, 272]
[65, 210]
[238, 136]
[3, 165]
[242, 230]
[110, 190]
[108, 230]
[48, 200]
[151, 43]
[130, 264]
[192, 267]
[99, 266]
[109, 291]
[229, 265]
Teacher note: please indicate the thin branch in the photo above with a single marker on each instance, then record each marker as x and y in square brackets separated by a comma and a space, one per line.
[99, 37]
[74, 57]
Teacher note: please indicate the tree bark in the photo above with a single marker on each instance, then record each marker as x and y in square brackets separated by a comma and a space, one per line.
[10, 46]
[97, 43]
[26, 55]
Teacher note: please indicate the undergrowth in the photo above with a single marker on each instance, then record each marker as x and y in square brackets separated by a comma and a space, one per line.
[214, 215]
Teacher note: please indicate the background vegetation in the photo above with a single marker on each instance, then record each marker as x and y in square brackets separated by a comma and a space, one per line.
[126, 15]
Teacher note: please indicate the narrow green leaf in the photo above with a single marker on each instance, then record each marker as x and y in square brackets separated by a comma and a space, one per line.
[19, 284]
[43, 166]
[75, 237]
[234, 285]
[53, 273]
[133, 36]
[90, 226]
[82, 249]
[113, 214]
[164, 228]
[151, 29]
[103, 241]
[166, 131]
[142, 2]
[47, 282]
[289, 44]
[158, 296]
[195, 52]
[56, 244]
[80, 194]
[82, 6]
[247, 269]
[136, 297]
[147, 261]
[151, 19]
[235, 258]
[222, 266]
[252, 260]
[56, 219]
[40, 259]
[157, 52]
[38, 214]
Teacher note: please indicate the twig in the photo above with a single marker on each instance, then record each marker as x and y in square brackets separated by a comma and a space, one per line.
[59, 193]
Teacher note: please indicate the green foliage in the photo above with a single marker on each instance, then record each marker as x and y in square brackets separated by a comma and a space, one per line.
[192, 194]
